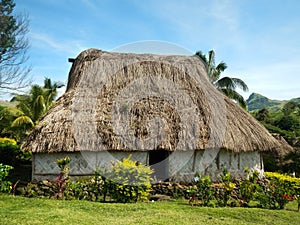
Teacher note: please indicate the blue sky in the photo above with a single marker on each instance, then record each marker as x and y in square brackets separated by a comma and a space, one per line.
[258, 39]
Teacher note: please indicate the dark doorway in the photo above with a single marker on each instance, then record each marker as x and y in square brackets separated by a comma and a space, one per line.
[159, 162]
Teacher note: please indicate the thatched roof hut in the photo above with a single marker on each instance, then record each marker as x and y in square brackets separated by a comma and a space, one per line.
[141, 103]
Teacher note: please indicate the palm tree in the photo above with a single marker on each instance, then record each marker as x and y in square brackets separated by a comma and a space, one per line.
[226, 85]
[14, 123]
[33, 104]
[39, 100]
[51, 91]
[31, 107]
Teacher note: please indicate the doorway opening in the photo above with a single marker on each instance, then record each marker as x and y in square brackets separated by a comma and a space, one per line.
[159, 162]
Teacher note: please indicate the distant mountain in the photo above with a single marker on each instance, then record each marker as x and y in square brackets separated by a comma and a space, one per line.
[258, 101]
[7, 104]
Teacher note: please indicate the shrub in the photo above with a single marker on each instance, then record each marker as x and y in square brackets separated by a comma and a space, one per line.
[7, 141]
[11, 154]
[5, 186]
[248, 187]
[223, 193]
[291, 183]
[277, 190]
[9, 151]
[129, 181]
[204, 190]
[63, 164]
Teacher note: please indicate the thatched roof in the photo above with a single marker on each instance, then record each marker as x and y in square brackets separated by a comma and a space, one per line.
[117, 101]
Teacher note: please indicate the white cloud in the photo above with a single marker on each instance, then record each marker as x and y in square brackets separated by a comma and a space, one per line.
[276, 80]
[45, 41]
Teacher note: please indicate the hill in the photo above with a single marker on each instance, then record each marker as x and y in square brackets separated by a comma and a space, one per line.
[257, 101]
[7, 104]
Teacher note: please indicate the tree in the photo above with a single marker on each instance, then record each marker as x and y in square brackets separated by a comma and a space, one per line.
[291, 107]
[39, 99]
[290, 119]
[31, 107]
[226, 85]
[13, 48]
[51, 91]
[262, 115]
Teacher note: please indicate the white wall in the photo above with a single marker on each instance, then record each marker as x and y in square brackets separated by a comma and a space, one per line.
[182, 164]
[82, 163]
[213, 164]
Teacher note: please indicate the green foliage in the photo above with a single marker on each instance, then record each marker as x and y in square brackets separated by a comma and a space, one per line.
[283, 120]
[30, 108]
[38, 100]
[8, 27]
[227, 85]
[292, 163]
[129, 181]
[262, 115]
[223, 194]
[248, 187]
[277, 190]
[91, 189]
[5, 186]
[8, 141]
[13, 47]
[11, 154]
[291, 183]
[7, 116]
[257, 102]
[63, 164]
[204, 189]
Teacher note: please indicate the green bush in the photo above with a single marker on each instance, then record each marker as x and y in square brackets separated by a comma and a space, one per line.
[11, 154]
[223, 193]
[277, 190]
[291, 183]
[9, 151]
[129, 181]
[204, 191]
[248, 187]
[5, 186]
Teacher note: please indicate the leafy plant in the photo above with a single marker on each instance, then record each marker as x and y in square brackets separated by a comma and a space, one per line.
[223, 194]
[291, 184]
[5, 186]
[248, 187]
[129, 181]
[277, 190]
[11, 154]
[63, 164]
[204, 190]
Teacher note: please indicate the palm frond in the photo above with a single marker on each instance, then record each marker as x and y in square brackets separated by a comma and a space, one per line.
[202, 56]
[232, 94]
[225, 83]
[241, 84]
[222, 66]
[22, 121]
[39, 107]
[14, 112]
[211, 59]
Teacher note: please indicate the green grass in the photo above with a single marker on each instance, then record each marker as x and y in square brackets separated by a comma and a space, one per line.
[20, 210]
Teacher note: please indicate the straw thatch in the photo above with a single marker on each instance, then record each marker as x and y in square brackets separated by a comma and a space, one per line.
[100, 91]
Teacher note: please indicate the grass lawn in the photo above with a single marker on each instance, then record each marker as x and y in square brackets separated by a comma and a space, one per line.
[20, 210]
